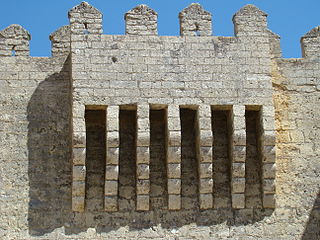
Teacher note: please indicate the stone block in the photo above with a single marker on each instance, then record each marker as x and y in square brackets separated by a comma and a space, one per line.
[206, 201]
[113, 112]
[111, 188]
[269, 170]
[174, 124]
[239, 137]
[205, 111]
[239, 122]
[112, 172]
[206, 138]
[238, 185]
[174, 155]
[78, 204]
[238, 170]
[143, 125]
[143, 202]
[143, 139]
[238, 110]
[111, 203]
[113, 139]
[269, 201]
[143, 155]
[174, 202]
[79, 173]
[113, 156]
[269, 186]
[205, 123]
[173, 111]
[78, 188]
[205, 170]
[112, 124]
[238, 201]
[239, 154]
[174, 186]
[206, 154]
[269, 154]
[79, 156]
[143, 187]
[174, 138]
[79, 139]
[268, 123]
[143, 111]
[269, 138]
[206, 185]
[143, 171]
[174, 170]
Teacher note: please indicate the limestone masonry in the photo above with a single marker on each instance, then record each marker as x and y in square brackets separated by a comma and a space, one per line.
[141, 136]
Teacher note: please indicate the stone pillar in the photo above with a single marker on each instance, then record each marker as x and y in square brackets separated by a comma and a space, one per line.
[141, 20]
[174, 158]
[238, 156]
[267, 145]
[205, 157]
[143, 158]
[78, 158]
[112, 161]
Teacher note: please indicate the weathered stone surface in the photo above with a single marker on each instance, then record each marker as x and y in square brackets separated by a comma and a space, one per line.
[14, 41]
[206, 201]
[259, 181]
[141, 20]
[195, 21]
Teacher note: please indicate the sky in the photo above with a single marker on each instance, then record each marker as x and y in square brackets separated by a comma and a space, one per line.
[290, 19]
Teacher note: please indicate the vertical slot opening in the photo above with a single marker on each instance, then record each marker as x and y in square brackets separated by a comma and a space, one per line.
[253, 161]
[197, 30]
[189, 164]
[13, 51]
[221, 120]
[158, 169]
[85, 31]
[95, 158]
[127, 159]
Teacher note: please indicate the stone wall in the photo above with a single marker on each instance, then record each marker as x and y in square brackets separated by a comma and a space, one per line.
[153, 137]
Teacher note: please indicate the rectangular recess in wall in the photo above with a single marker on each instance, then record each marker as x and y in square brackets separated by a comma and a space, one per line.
[189, 161]
[127, 157]
[95, 119]
[221, 129]
[158, 167]
[253, 190]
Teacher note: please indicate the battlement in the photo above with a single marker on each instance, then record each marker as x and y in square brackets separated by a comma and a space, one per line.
[141, 136]
[248, 22]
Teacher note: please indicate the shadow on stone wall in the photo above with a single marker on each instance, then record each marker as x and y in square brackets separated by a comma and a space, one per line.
[49, 154]
[49, 113]
[312, 230]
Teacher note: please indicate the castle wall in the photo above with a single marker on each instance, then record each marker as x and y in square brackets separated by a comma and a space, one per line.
[296, 98]
[35, 129]
[147, 137]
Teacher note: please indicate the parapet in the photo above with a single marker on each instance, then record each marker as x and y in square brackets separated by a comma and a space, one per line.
[14, 41]
[249, 21]
[195, 21]
[310, 43]
[141, 20]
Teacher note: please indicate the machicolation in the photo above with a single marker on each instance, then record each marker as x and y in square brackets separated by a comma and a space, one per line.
[140, 136]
